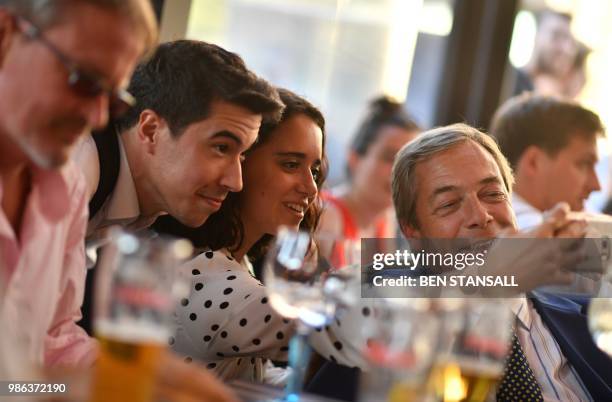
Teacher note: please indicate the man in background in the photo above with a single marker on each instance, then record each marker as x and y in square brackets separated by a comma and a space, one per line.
[551, 144]
[554, 54]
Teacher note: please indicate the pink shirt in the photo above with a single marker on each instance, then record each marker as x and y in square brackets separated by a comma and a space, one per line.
[43, 269]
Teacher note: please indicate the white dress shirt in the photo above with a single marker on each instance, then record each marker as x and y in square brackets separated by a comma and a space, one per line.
[120, 208]
[556, 377]
[527, 216]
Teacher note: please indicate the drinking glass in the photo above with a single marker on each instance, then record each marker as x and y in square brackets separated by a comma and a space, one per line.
[473, 349]
[136, 290]
[600, 315]
[305, 286]
[400, 349]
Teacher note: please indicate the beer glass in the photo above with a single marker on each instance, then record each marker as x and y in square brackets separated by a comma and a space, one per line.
[400, 349]
[473, 349]
[136, 288]
[600, 315]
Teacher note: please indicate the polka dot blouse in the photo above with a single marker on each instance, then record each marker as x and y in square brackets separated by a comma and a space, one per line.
[228, 324]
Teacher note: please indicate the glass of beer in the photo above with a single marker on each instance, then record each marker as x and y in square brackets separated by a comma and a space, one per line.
[473, 351]
[136, 288]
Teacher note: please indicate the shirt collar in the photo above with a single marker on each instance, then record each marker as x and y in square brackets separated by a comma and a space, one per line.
[49, 194]
[50, 187]
[521, 309]
[527, 216]
[123, 203]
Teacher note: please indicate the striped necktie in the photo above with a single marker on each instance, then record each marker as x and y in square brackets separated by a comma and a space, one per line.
[518, 382]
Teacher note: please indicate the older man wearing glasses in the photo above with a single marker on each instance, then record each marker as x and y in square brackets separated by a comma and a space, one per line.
[64, 65]
[61, 65]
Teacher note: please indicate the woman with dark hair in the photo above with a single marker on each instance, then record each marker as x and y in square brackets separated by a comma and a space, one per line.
[227, 321]
[362, 207]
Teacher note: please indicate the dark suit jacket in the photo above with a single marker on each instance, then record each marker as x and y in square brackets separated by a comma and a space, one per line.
[565, 317]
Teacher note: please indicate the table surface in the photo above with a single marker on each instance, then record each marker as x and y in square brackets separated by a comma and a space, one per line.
[254, 392]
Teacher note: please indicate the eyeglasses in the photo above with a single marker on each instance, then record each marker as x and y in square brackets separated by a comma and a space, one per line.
[83, 83]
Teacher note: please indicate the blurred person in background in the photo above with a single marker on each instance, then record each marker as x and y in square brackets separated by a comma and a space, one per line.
[553, 56]
[227, 321]
[571, 83]
[576, 80]
[362, 207]
[551, 144]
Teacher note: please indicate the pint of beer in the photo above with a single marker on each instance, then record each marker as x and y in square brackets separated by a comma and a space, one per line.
[471, 363]
[136, 287]
[465, 380]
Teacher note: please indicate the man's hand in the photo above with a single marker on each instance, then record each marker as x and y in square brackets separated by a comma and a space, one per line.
[189, 382]
[558, 224]
[544, 255]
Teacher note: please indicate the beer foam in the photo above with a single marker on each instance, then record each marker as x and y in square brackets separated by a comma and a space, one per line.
[133, 332]
[473, 366]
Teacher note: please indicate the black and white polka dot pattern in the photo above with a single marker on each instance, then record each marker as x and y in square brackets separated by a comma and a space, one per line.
[227, 318]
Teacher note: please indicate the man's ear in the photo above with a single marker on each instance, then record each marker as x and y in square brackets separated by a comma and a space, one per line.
[8, 29]
[531, 161]
[150, 129]
[409, 231]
